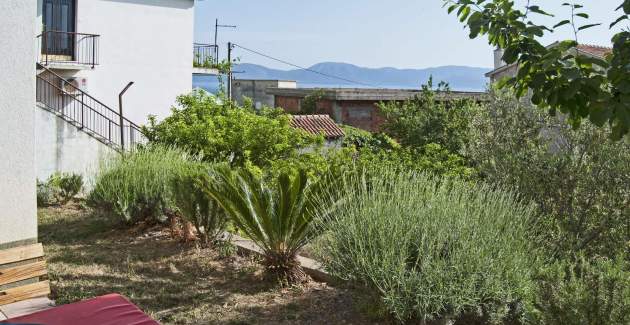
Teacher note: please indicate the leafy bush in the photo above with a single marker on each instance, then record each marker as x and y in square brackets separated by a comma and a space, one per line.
[45, 194]
[221, 132]
[69, 186]
[595, 291]
[137, 185]
[433, 248]
[431, 158]
[361, 139]
[579, 179]
[201, 210]
[430, 118]
[59, 188]
[276, 219]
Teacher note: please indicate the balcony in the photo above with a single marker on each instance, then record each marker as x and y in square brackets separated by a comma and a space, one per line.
[205, 59]
[68, 50]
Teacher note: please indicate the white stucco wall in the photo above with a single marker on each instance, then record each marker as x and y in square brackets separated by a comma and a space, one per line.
[62, 147]
[18, 214]
[145, 41]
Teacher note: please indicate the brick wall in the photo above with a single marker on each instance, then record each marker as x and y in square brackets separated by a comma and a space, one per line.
[289, 104]
[361, 114]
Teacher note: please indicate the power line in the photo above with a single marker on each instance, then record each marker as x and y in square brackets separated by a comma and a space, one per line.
[303, 68]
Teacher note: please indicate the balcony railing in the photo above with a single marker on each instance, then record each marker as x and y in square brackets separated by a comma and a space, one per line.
[86, 113]
[205, 55]
[68, 47]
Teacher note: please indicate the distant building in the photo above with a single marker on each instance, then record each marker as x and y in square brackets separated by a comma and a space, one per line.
[256, 90]
[352, 106]
[501, 69]
[319, 125]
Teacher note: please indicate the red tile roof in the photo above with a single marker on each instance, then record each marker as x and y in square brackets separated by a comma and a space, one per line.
[595, 50]
[317, 124]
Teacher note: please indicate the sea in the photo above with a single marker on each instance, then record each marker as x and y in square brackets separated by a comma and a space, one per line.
[211, 84]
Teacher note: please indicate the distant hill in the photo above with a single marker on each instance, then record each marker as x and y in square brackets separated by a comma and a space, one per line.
[459, 77]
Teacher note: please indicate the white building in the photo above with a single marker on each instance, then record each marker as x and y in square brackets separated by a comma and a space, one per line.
[88, 51]
[18, 215]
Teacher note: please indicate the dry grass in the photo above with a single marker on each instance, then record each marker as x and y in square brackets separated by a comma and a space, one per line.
[177, 283]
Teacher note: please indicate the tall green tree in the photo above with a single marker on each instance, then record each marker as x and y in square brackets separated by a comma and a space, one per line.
[429, 118]
[220, 131]
[559, 77]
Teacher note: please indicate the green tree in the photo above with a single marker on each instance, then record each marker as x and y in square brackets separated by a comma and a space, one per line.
[429, 118]
[579, 179]
[220, 131]
[559, 77]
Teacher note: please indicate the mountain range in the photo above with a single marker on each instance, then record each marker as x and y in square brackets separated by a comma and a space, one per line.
[462, 78]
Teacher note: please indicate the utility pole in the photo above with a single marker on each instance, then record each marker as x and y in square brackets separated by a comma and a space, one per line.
[229, 81]
[216, 36]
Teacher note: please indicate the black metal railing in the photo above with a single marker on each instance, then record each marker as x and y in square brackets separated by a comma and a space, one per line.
[68, 47]
[205, 55]
[61, 96]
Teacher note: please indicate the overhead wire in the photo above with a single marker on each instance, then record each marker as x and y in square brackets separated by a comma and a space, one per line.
[303, 68]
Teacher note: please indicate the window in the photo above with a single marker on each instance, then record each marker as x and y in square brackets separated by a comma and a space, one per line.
[59, 26]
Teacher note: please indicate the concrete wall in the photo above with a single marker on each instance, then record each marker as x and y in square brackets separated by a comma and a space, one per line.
[510, 71]
[145, 41]
[256, 91]
[18, 214]
[62, 147]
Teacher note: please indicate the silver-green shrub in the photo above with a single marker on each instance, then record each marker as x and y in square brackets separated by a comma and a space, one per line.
[587, 291]
[433, 248]
[137, 185]
[195, 206]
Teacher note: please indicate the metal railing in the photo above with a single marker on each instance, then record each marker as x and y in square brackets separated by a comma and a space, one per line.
[205, 55]
[88, 114]
[68, 47]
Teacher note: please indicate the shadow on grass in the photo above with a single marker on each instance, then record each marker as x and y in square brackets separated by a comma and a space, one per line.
[173, 282]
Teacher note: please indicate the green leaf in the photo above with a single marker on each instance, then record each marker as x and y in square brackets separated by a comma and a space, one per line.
[564, 22]
[583, 15]
[618, 20]
[588, 26]
[539, 11]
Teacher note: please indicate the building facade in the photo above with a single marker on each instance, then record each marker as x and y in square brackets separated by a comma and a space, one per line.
[256, 91]
[104, 44]
[18, 214]
[355, 107]
[503, 70]
[88, 51]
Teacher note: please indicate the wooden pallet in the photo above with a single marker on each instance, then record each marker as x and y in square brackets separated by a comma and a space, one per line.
[23, 274]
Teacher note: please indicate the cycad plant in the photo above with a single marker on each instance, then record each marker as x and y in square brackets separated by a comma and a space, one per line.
[276, 217]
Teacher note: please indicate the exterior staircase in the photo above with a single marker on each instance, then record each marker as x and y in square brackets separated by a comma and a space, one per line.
[60, 97]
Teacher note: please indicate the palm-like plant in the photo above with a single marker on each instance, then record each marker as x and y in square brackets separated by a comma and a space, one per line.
[277, 218]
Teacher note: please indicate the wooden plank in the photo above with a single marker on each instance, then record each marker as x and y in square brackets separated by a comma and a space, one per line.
[22, 253]
[22, 272]
[24, 292]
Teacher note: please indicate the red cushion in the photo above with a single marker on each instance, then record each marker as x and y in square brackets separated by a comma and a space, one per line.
[111, 309]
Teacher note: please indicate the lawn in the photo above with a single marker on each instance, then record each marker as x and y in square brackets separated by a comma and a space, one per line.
[178, 283]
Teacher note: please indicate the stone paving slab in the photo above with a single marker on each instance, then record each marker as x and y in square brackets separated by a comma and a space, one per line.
[310, 266]
[25, 307]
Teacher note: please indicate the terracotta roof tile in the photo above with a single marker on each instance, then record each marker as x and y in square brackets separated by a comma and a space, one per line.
[317, 124]
[595, 50]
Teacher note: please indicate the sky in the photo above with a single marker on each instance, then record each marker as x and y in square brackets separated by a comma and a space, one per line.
[369, 33]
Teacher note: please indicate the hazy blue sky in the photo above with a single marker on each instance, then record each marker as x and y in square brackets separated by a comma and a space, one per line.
[371, 33]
